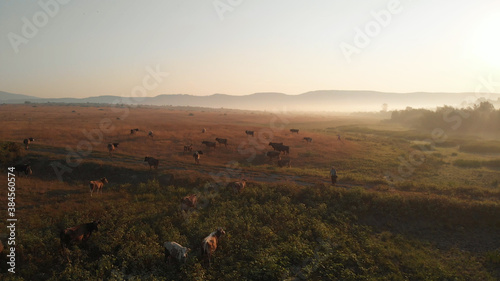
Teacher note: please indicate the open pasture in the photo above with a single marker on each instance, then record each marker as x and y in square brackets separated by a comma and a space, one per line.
[403, 208]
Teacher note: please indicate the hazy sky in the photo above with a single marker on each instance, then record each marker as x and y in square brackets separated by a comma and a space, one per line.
[86, 48]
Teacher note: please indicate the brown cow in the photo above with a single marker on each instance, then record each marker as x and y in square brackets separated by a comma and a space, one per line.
[274, 145]
[23, 168]
[77, 234]
[112, 147]
[237, 186]
[189, 202]
[209, 144]
[97, 185]
[153, 162]
[196, 156]
[188, 148]
[273, 154]
[283, 148]
[222, 141]
[210, 243]
[27, 142]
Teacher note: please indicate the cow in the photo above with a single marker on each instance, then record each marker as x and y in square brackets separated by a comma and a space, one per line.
[274, 145]
[285, 163]
[196, 156]
[150, 133]
[27, 142]
[308, 140]
[189, 202]
[188, 148]
[283, 148]
[249, 133]
[209, 144]
[153, 162]
[77, 234]
[273, 154]
[294, 131]
[222, 141]
[209, 243]
[112, 147]
[97, 185]
[133, 131]
[203, 131]
[24, 168]
[175, 250]
[237, 186]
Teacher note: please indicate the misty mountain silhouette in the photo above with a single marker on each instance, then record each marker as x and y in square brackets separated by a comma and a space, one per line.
[325, 100]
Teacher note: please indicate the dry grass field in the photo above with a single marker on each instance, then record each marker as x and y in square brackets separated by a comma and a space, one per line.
[400, 211]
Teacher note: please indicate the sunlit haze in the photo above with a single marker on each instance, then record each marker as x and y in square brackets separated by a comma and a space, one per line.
[92, 48]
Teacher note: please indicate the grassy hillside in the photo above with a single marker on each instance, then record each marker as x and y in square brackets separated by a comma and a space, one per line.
[404, 208]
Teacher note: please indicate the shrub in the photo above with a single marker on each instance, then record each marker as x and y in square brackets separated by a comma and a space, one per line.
[481, 147]
[492, 163]
[9, 152]
[462, 163]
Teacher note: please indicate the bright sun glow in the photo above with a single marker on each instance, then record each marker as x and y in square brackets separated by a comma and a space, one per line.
[487, 41]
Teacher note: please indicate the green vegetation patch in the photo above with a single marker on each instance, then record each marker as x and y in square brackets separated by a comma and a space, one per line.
[481, 147]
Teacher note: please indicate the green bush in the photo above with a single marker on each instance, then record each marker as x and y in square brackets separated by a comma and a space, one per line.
[273, 232]
[462, 163]
[481, 147]
[10, 152]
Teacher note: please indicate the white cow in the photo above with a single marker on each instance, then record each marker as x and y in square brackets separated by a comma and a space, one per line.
[174, 249]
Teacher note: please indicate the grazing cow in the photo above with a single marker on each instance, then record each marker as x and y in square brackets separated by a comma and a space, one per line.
[237, 186]
[222, 141]
[150, 133]
[283, 148]
[249, 133]
[209, 243]
[112, 147]
[285, 163]
[174, 249]
[189, 202]
[132, 131]
[274, 145]
[196, 156]
[203, 131]
[294, 131]
[308, 140]
[273, 154]
[27, 142]
[188, 148]
[97, 185]
[153, 162]
[209, 144]
[77, 234]
[25, 168]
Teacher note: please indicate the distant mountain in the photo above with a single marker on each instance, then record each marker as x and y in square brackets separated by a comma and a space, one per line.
[326, 100]
[4, 96]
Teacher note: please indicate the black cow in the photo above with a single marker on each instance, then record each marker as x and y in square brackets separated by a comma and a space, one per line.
[77, 234]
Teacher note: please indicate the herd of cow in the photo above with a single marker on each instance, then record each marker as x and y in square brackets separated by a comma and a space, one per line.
[278, 149]
[82, 233]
